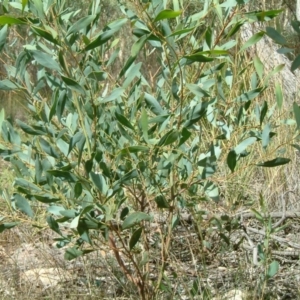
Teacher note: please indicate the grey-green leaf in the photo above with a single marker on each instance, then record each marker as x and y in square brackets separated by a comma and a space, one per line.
[135, 237]
[45, 60]
[274, 162]
[134, 219]
[23, 205]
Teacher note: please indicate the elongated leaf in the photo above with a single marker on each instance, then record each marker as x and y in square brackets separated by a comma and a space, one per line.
[296, 109]
[199, 58]
[122, 119]
[8, 20]
[99, 76]
[53, 224]
[153, 104]
[45, 60]
[144, 124]
[48, 148]
[101, 39]
[134, 149]
[73, 85]
[231, 160]
[44, 34]
[134, 219]
[296, 63]
[253, 40]
[99, 181]
[64, 175]
[212, 191]
[7, 85]
[72, 253]
[3, 36]
[266, 136]
[279, 95]
[46, 198]
[116, 94]
[167, 14]
[23, 183]
[244, 144]
[259, 67]
[274, 162]
[23, 205]
[81, 24]
[272, 269]
[161, 202]
[169, 138]
[138, 45]
[249, 95]
[28, 129]
[5, 226]
[135, 237]
[275, 35]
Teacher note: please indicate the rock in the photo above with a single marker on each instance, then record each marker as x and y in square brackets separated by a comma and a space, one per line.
[45, 277]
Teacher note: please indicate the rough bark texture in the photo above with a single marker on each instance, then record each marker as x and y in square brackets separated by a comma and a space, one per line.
[266, 50]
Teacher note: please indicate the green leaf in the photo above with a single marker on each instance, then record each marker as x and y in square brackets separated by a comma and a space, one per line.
[20, 182]
[64, 175]
[153, 104]
[46, 198]
[272, 269]
[296, 63]
[28, 129]
[185, 135]
[231, 160]
[279, 95]
[262, 16]
[244, 144]
[263, 112]
[3, 36]
[144, 124]
[275, 35]
[252, 41]
[161, 202]
[138, 45]
[73, 85]
[266, 136]
[7, 85]
[169, 138]
[101, 39]
[8, 20]
[48, 148]
[44, 34]
[5, 226]
[53, 224]
[23, 205]
[212, 191]
[249, 95]
[78, 189]
[167, 14]
[45, 60]
[81, 24]
[199, 57]
[135, 237]
[24, 3]
[99, 76]
[115, 94]
[99, 181]
[134, 219]
[134, 149]
[259, 67]
[296, 109]
[72, 253]
[274, 162]
[258, 215]
[122, 119]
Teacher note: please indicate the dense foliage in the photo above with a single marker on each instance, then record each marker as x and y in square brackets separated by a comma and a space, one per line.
[111, 145]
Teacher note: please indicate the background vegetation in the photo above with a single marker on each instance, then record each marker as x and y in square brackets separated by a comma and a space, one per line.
[154, 142]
